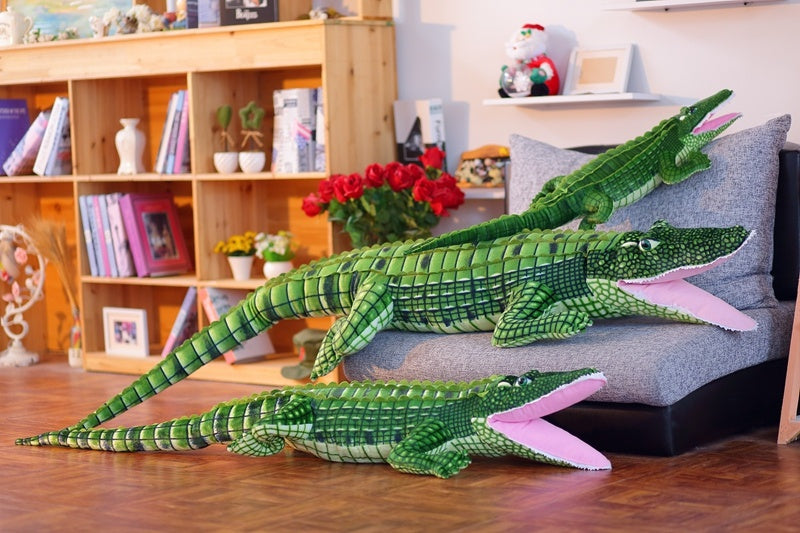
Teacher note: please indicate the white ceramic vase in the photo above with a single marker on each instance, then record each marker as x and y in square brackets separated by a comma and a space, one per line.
[276, 268]
[240, 266]
[226, 162]
[130, 147]
[252, 162]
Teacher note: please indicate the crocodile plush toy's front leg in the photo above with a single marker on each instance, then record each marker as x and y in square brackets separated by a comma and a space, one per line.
[420, 453]
[266, 437]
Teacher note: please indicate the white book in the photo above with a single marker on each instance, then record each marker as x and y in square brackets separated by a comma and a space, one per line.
[52, 138]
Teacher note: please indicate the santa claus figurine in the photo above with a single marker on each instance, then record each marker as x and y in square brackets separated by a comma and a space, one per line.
[532, 72]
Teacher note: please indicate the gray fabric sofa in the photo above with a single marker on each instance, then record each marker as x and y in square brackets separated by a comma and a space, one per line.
[671, 386]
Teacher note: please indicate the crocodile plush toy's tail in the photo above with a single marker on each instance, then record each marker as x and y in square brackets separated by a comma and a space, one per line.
[242, 322]
[223, 423]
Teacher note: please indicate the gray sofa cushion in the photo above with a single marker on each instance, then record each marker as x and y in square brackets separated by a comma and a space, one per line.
[646, 361]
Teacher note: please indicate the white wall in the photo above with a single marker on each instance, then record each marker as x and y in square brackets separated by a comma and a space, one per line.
[453, 49]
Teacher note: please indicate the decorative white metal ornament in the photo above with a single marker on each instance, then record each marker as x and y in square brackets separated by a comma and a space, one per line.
[21, 285]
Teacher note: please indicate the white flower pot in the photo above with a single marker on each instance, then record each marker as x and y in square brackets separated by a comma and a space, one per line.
[226, 162]
[276, 268]
[240, 266]
[252, 162]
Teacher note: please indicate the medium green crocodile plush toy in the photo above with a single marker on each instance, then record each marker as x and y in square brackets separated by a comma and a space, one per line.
[669, 153]
[417, 427]
[531, 286]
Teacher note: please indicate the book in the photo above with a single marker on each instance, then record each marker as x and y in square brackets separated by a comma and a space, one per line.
[172, 144]
[14, 122]
[181, 165]
[51, 158]
[185, 324]
[119, 238]
[216, 302]
[106, 256]
[247, 11]
[418, 125]
[320, 158]
[97, 237]
[88, 237]
[20, 161]
[154, 233]
[295, 115]
[161, 156]
[191, 14]
[207, 13]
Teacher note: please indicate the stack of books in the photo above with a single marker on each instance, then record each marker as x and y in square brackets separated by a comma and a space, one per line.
[298, 143]
[43, 147]
[134, 234]
[173, 152]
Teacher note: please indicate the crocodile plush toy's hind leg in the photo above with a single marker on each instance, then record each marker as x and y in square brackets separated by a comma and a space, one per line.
[372, 311]
[525, 319]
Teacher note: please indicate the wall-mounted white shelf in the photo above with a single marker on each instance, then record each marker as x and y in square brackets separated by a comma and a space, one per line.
[484, 193]
[573, 99]
[667, 5]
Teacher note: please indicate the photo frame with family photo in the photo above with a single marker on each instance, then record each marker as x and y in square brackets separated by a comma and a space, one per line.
[125, 332]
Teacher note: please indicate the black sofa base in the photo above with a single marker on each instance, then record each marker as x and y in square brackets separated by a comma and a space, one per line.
[737, 403]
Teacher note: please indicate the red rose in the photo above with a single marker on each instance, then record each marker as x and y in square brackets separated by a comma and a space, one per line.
[423, 190]
[374, 175]
[446, 195]
[433, 157]
[325, 189]
[311, 205]
[416, 171]
[402, 178]
[346, 187]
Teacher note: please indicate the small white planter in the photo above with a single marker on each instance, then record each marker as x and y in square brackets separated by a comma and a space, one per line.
[276, 268]
[226, 162]
[252, 162]
[240, 266]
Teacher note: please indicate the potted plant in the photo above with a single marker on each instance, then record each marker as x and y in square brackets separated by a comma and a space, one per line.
[276, 251]
[240, 250]
[252, 159]
[226, 161]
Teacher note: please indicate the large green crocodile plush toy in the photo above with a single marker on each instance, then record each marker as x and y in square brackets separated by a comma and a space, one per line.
[531, 286]
[417, 427]
[669, 153]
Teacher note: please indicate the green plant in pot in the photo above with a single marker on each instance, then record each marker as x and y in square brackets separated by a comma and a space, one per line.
[226, 161]
[253, 158]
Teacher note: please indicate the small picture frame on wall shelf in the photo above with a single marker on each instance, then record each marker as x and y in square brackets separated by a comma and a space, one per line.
[125, 332]
[599, 70]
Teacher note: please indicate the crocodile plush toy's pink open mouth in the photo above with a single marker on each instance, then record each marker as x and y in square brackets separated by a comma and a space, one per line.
[712, 123]
[524, 425]
[670, 290]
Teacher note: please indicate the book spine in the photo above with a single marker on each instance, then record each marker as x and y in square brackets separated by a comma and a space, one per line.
[97, 200]
[182, 146]
[20, 161]
[134, 238]
[169, 166]
[60, 163]
[109, 241]
[186, 310]
[97, 235]
[47, 150]
[14, 122]
[161, 158]
[119, 237]
[213, 307]
[83, 205]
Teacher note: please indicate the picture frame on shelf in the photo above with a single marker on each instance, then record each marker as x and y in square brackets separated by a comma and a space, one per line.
[125, 332]
[154, 232]
[599, 70]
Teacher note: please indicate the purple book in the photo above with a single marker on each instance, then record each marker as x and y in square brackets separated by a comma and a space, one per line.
[14, 122]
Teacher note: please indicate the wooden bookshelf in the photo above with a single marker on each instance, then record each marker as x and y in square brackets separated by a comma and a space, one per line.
[352, 59]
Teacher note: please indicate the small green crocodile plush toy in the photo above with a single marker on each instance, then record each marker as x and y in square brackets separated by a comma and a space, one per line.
[416, 427]
[669, 153]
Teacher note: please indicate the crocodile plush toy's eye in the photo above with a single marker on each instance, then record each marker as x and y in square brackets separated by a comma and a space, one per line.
[523, 380]
[646, 245]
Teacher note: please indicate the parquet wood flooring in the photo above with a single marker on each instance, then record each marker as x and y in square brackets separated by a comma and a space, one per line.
[748, 483]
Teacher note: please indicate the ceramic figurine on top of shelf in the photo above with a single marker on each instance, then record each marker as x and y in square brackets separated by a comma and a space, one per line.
[226, 161]
[252, 160]
[532, 73]
[14, 26]
[130, 147]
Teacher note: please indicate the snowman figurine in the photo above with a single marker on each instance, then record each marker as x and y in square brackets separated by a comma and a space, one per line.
[532, 73]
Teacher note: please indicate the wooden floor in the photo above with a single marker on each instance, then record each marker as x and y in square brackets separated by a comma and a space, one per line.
[744, 484]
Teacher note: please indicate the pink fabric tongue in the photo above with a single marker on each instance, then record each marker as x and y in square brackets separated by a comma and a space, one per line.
[683, 296]
[713, 122]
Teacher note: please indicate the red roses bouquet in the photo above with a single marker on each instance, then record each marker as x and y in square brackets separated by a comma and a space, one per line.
[389, 203]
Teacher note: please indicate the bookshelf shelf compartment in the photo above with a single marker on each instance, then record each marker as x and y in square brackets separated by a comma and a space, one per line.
[228, 65]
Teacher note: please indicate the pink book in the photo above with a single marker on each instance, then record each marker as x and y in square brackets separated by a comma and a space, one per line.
[185, 323]
[20, 162]
[182, 147]
[96, 199]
